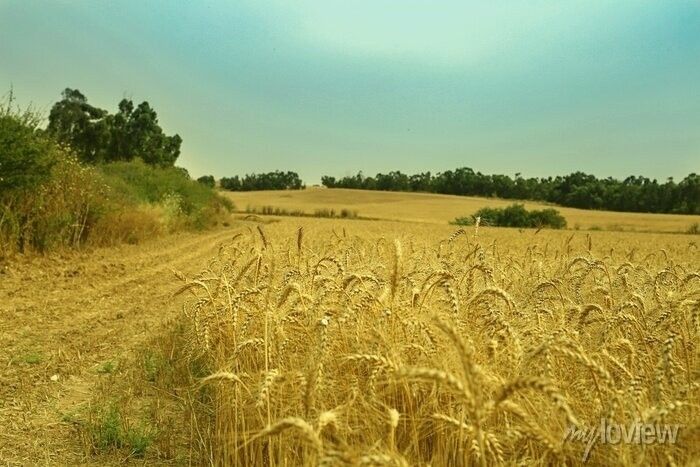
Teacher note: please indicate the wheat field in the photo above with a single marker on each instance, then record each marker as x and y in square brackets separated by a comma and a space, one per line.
[319, 342]
[442, 209]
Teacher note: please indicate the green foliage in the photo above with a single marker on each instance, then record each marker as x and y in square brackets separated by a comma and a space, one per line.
[207, 180]
[152, 365]
[71, 203]
[76, 123]
[138, 440]
[49, 199]
[547, 218]
[136, 182]
[580, 190]
[98, 136]
[515, 215]
[108, 430]
[107, 367]
[58, 210]
[25, 154]
[33, 358]
[276, 180]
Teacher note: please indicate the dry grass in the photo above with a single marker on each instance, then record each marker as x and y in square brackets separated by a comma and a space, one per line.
[441, 209]
[378, 343]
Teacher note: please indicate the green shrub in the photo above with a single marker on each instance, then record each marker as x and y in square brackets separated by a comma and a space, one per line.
[109, 430]
[25, 155]
[138, 182]
[515, 215]
[49, 200]
[547, 218]
[106, 430]
[33, 358]
[465, 220]
[184, 202]
[58, 212]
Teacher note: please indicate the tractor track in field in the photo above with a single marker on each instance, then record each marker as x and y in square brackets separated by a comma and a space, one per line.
[63, 316]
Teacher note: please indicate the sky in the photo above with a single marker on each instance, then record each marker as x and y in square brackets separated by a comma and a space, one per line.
[332, 87]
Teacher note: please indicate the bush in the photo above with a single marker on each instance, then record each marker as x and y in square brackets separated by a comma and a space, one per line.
[548, 218]
[25, 155]
[515, 215]
[181, 198]
[49, 200]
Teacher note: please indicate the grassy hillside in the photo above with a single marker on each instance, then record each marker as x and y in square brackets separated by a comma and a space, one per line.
[440, 209]
[53, 197]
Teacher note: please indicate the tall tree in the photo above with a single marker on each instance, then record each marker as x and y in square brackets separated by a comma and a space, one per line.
[98, 136]
[75, 122]
[147, 139]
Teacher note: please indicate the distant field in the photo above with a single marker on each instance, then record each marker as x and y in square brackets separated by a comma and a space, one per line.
[441, 209]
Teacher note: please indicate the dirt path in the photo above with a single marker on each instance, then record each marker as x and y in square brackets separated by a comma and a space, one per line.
[63, 317]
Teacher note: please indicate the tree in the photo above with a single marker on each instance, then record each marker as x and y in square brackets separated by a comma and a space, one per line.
[207, 180]
[147, 140]
[97, 136]
[120, 146]
[636, 194]
[328, 181]
[75, 122]
[689, 194]
[276, 180]
[230, 183]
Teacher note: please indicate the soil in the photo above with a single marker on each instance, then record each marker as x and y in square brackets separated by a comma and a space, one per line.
[63, 317]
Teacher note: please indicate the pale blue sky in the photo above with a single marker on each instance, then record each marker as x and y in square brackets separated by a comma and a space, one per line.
[333, 87]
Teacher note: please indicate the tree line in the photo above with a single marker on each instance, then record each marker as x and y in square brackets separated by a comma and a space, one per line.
[579, 190]
[133, 131]
[276, 180]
